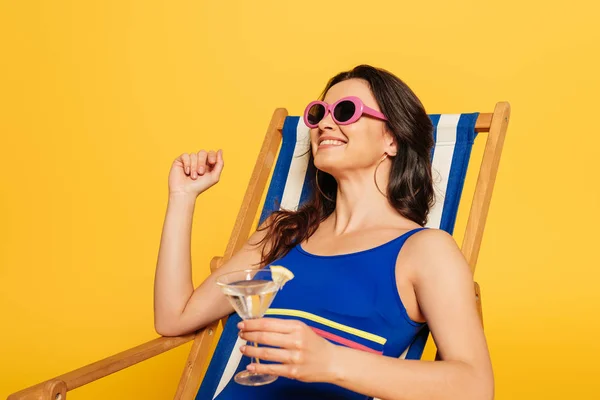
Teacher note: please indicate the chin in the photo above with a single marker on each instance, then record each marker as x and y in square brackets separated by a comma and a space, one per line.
[329, 166]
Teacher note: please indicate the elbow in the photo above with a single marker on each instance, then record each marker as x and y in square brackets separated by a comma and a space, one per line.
[167, 327]
[165, 331]
[481, 386]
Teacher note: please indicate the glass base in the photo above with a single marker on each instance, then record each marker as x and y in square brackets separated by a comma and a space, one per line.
[248, 378]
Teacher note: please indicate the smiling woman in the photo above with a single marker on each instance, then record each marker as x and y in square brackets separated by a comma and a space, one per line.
[365, 279]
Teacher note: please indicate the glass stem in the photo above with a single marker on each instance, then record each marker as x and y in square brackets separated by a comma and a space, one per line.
[255, 358]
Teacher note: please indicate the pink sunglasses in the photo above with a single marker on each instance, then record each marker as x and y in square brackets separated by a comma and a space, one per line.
[345, 111]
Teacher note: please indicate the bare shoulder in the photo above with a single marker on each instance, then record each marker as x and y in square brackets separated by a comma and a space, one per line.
[428, 239]
[431, 251]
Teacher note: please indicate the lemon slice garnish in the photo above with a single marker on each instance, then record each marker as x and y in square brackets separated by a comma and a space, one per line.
[280, 275]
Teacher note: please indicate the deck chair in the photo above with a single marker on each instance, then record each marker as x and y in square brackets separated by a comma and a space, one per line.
[287, 186]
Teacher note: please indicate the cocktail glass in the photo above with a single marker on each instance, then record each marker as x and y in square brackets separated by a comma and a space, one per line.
[251, 293]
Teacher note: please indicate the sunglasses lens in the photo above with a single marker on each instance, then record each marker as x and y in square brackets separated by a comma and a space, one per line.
[316, 114]
[344, 111]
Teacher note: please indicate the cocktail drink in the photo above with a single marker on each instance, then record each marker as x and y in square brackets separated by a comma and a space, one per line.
[251, 293]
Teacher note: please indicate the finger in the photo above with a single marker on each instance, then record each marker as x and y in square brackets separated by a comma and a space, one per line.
[211, 159]
[285, 370]
[194, 165]
[269, 338]
[185, 159]
[219, 164]
[270, 325]
[270, 354]
[201, 162]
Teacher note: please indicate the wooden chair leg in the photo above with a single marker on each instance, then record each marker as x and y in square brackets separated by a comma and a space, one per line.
[194, 366]
[199, 353]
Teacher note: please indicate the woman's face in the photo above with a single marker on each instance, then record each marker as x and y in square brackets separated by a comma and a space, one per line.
[338, 149]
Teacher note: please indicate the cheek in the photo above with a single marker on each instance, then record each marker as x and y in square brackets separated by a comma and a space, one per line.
[359, 136]
[313, 140]
[365, 145]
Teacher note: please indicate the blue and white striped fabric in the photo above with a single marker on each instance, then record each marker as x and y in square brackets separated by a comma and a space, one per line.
[290, 186]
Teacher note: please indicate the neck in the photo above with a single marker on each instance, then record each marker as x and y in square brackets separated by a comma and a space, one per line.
[360, 205]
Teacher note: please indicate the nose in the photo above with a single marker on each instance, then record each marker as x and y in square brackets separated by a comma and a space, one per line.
[327, 122]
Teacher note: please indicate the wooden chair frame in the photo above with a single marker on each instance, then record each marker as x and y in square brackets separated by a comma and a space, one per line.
[495, 123]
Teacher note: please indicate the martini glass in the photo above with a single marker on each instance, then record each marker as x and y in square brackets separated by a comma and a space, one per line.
[251, 293]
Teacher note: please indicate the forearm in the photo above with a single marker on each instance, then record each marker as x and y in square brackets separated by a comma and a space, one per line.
[391, 378]
[173, 284]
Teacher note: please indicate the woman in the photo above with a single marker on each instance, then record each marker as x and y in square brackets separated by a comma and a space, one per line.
[360, 255]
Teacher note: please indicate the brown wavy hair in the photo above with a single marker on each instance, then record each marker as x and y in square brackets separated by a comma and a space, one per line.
[410, 186]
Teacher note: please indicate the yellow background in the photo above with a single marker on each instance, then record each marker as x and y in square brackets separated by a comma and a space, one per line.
[98, 97]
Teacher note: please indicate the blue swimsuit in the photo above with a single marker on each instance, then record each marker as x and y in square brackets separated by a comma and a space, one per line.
[351, 300]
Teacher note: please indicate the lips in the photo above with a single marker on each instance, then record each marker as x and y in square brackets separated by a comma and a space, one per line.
[331, 141]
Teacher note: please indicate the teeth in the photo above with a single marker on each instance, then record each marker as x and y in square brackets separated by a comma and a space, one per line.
[333, 142]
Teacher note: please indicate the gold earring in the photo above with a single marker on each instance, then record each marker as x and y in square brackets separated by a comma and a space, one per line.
[319, 187]
[375, 174]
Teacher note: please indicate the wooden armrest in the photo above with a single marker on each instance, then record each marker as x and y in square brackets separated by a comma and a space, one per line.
[56, 389]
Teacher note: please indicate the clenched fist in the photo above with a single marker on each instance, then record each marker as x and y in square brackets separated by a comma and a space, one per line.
[195, 172]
